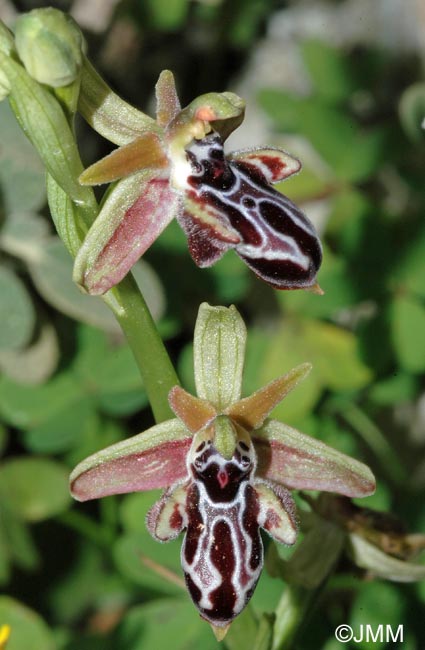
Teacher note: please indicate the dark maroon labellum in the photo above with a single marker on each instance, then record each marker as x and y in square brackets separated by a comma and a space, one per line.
[246, 213]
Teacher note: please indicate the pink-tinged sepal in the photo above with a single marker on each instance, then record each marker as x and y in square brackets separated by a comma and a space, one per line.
[273, 165]
[153, 459]
[273, 237]
[300, 462]
[277, 511]
[136, 211]
[167, 518]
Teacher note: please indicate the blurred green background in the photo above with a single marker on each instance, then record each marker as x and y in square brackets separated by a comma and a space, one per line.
[339, 84]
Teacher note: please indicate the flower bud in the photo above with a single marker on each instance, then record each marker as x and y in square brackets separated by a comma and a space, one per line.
[50, 45]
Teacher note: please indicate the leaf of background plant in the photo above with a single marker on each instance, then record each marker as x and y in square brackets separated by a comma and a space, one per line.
[377, 603]
[167, 15]
[409, 271]
[62, 431]
[408, 333]
[52, 275]
[21, 170]
[35, 363]
[229, 279]
[35, 488]
[17, 315]
[21, 549]
[20, 233]
[329, 70]
[335, 282]
[131, 549]
[400, 387]
[137, 543]
[412, 111]
[352, 154]
[4, 438]
[29, 406]
[166, 623]
[242, 631]
[28, 628]
[304, 186]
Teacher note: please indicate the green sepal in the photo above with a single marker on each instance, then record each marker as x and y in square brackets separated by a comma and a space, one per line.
[153, 459]
[219, 348]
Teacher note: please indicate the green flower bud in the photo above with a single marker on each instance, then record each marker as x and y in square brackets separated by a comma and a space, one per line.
[50, 45]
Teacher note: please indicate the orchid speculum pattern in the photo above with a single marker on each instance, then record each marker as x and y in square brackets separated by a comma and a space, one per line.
[177, 168]
[227, 470]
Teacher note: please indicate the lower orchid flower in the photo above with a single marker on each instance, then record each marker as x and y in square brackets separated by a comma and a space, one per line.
[226, 468]
[177, 168]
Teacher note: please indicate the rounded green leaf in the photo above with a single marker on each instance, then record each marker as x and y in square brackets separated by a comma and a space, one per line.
[35, 488]
[28, 630]
[52, 274]
[408, 333]
[21, 170]
[17, 315]
[35, 363]
[377, 604]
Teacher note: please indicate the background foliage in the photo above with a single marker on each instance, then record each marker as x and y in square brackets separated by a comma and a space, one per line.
[89, 576]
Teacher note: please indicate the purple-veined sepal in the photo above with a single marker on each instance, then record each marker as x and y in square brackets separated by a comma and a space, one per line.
[304, 463]
[153, 459]
[134, 213]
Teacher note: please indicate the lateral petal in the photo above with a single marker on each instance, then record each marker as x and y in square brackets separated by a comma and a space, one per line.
[134, 214]
[273, 164]
[194, 412]
[251, 411]
[167, 101]
[277, 511]
[298, 461]
[153, 459]
[167, 517]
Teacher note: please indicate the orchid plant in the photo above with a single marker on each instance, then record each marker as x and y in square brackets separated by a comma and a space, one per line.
[226, 469]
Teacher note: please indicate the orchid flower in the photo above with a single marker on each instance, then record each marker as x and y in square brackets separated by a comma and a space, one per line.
[176, 168]
[226, 468]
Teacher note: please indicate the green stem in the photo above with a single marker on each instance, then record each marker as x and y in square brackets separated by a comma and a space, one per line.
[158, 374]
[292, 612]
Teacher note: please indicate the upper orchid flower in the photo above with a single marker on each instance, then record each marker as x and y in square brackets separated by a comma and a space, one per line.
[176, 168]
[226, 468]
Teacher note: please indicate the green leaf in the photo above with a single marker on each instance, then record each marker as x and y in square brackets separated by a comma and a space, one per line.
[51, 272]
[352, 153]
[29, 406]
[28, 628]
[412, 111]
[148, 564]
[21, 233]
[20, 547]
[243, 630]
[165, 623]
[21, 170]
[408, 327]
[329, 70]
[35, 363]
[377, 604]
[167, 15]
[35, 488]
[17, 312]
